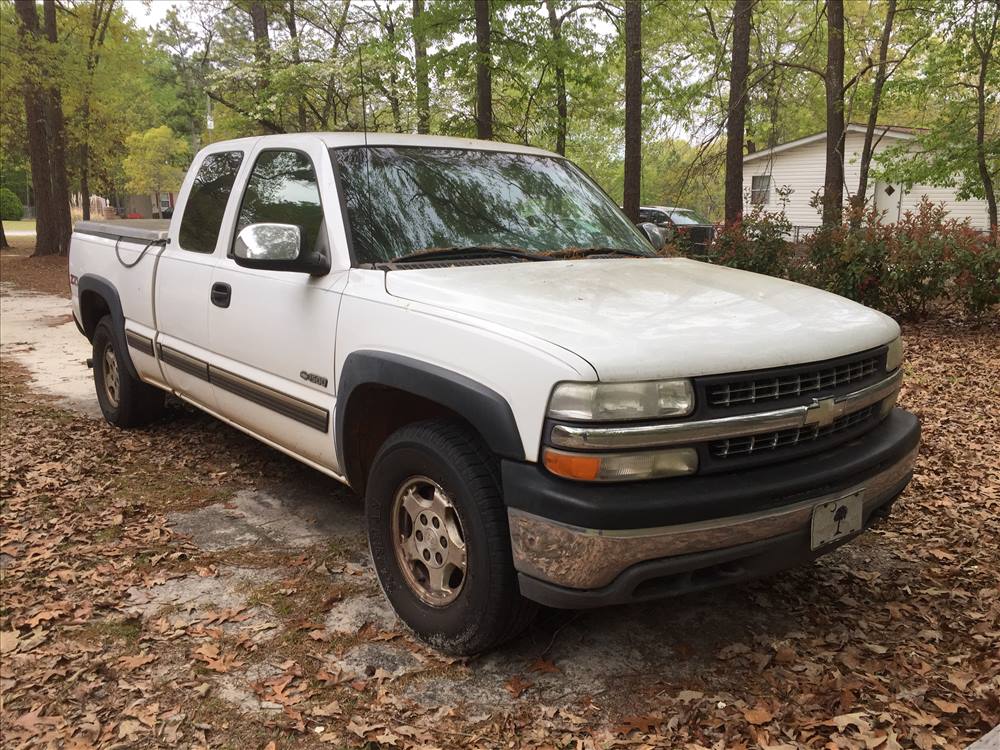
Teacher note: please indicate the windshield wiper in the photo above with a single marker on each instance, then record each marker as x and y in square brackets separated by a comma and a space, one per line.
[466, 252]
[584, 252]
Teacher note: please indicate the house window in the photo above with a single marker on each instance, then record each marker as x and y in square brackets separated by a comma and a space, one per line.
[760, 187]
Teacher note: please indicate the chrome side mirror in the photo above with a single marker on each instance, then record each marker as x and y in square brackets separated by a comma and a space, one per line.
[268, 242]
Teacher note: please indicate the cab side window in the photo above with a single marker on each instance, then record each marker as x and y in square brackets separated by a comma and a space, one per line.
[282, 189]
[206, 203]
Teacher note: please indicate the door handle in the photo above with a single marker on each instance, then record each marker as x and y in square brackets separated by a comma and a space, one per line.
[222, 294]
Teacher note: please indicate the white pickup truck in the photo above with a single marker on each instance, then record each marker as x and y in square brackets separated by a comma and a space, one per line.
[535, 407]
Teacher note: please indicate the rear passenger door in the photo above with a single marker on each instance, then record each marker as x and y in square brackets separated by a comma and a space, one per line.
[272, 337]
[184, 277]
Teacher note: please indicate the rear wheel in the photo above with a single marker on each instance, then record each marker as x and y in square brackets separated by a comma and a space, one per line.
[439, 538]
[125, 400]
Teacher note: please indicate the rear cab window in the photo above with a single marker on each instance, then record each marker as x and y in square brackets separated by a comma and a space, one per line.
[206, 203]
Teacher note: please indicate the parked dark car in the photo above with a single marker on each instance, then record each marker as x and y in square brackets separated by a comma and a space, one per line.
[683, 224]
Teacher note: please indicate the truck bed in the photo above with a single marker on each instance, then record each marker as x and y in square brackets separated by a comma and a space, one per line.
[132, 230]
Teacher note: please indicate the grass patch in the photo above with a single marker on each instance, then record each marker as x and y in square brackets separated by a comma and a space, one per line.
[23, 225]
[126, 631]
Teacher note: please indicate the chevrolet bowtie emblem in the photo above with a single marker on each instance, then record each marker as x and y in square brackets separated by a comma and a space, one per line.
[823, 412]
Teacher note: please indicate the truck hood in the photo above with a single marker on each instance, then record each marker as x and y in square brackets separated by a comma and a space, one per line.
[654, 318]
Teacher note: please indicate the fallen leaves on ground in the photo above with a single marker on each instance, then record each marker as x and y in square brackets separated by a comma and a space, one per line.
[893, 641]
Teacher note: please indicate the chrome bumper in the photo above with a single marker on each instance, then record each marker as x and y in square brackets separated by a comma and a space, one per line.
[580, 558]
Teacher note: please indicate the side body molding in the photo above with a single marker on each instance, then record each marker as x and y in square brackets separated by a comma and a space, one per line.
[485, 409]
[89, 283]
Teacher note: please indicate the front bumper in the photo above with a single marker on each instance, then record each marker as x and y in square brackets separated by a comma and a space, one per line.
[692, 532]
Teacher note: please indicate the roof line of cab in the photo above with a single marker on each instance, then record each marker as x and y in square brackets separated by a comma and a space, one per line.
[346, 139]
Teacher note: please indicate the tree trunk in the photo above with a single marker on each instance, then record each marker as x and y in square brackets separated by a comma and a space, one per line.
[85, 179]
[985, 50]
[633, 108]
[420, 69]
[393, 93]
[293, 33]
[736, 121]
[261, 41]
[29, 37]
[100, 18]
[3, 238]
[562, 120]
[62, 221]
[881, 74]
[833, 182]
[484, 72]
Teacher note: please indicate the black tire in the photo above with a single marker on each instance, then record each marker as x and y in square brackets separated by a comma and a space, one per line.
[488, 609]
[132, 403]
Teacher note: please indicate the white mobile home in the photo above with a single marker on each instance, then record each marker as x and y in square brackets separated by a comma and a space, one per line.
[798, 166]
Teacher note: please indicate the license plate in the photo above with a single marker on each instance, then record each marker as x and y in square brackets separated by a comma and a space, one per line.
[836, 519]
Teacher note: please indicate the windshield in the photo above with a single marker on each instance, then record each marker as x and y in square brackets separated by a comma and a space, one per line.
[687, 216]
[405, 200]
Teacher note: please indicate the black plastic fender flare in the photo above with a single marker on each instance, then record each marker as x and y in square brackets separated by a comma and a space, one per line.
[485, 409]
[106, 290]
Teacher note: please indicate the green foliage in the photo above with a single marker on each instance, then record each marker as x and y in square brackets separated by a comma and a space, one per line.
[975, 271]
[349, 65]
[940, 95]
[904, 267]
[758, 243]
[155, 161]
[10, 206]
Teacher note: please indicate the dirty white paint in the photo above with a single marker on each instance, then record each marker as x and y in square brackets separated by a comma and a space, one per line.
[39, 332]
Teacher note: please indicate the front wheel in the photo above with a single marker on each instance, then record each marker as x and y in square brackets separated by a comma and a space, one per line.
[439, 538]
[125, 400]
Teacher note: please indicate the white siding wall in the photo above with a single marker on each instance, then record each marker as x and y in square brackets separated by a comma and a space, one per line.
[801, 169]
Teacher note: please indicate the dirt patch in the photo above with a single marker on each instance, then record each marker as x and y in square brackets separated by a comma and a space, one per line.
[45, 275]
[357, 613]
[38, 331]
[219, 598]
[290, 519]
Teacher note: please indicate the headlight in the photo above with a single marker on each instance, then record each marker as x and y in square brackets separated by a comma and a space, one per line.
[610, 402]
[894, 357]
[620, 467]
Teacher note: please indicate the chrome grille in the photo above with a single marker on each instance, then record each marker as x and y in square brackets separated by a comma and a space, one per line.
[773, 388]
[768, 441]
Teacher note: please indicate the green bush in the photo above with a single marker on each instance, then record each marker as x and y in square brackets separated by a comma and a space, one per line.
[976, 273]
[757, 243]
[849, 260]
[903, 268]
[10, 206]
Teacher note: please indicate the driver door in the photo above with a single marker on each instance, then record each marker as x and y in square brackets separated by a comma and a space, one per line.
[272, 332]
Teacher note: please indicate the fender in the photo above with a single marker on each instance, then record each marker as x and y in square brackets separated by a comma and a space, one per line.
[485, 409]
[106, 290]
